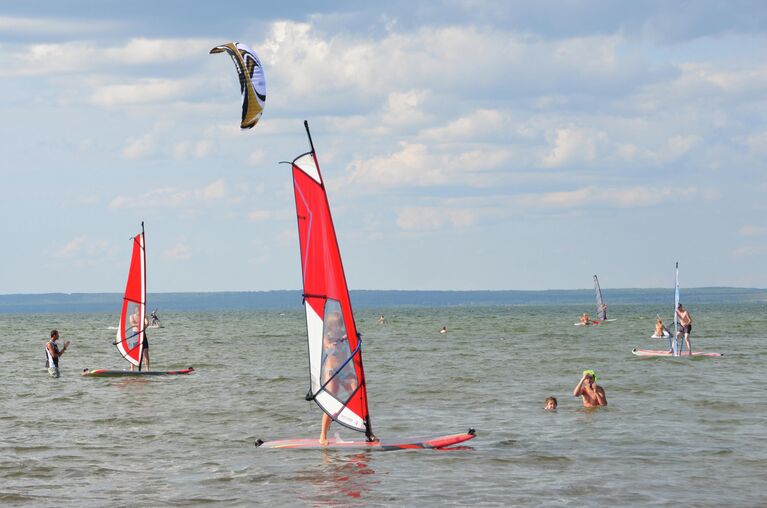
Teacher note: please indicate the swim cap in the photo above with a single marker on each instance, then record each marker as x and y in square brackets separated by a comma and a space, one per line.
[592, 373]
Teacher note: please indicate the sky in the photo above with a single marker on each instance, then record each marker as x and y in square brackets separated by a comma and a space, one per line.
[464, 144]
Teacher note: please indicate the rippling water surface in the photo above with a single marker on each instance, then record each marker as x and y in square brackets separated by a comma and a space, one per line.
[676, 431]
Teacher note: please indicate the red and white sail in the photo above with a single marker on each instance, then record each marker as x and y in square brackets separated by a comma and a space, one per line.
[130, 336]
[337, 378]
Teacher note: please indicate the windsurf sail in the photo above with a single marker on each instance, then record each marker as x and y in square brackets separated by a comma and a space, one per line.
[130, 332]
[675, 343]
[601, 307]
[336, 374]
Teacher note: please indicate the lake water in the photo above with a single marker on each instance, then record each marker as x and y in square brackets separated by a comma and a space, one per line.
[676, 431]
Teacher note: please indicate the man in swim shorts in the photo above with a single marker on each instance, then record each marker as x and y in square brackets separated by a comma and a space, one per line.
[52, 354]
[685, 320]
[590, 393]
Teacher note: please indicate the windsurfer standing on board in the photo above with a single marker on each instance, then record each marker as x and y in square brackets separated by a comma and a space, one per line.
[685, 320]
[590, 393]
[52, 354]
[134, 323]
[336, 346]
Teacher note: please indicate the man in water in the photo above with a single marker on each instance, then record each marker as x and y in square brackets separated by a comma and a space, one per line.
[585, 319]
[52, 354]
[685, 321]
[381, 320]
[551, 404]
[590, 393]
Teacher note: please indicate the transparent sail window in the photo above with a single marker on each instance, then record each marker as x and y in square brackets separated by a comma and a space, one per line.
[335, 353]
[132, 328]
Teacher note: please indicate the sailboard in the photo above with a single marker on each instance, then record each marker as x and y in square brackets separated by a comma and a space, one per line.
[130, 338]
[135, 373]
[337, 381]
[676, 341]
[383, 445]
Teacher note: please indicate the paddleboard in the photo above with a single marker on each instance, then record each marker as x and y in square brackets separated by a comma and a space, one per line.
[439, 442]
[134, 373]
[666, 335]
[655, 352]
[609, 320]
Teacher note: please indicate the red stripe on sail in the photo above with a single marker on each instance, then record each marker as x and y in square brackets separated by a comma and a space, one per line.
[323, 273]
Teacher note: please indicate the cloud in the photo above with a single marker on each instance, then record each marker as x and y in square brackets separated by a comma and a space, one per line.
[476, 125]
[752, 230]
[573, 145]
[171, 197]
[179, 252]
[261, 215]
[51, 26]
[139, 148]
[145, 91]
[416, 165]
[420, 219]
[616, 197]
[82, 246]
[750, 251]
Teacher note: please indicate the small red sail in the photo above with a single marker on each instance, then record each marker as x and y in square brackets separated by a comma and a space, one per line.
[130, 332]
[337, 377]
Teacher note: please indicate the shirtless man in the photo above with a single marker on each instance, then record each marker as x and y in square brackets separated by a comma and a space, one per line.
[585, 319]
[685, 322]
[590, 393]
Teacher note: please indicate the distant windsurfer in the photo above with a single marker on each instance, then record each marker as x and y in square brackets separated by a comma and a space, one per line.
[134, 320]
[590, 393]
[443, 330]
[155, 318]
[585, 319]
[685, 321]
[381, 320]
[52, 354]
[603, 309]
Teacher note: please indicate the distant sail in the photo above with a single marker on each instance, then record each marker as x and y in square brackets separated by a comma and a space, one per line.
[336, 374]
[130, 341]
[601, 309]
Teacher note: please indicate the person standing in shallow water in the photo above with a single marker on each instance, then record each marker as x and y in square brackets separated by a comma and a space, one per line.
[52, 354]
[590, 393]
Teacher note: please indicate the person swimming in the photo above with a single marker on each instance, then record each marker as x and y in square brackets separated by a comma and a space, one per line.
[590, 393]
[550, 404]
[443, 330]
[585, 319]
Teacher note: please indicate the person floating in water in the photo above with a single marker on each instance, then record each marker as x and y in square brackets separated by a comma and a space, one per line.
[585, 319]
[134, 323]
[590, 393]
[550, 404]
[443, 330]
[685, 321]
[52, 354]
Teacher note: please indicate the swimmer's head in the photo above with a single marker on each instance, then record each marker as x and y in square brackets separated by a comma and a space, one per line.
[590, 373]
[551, 403]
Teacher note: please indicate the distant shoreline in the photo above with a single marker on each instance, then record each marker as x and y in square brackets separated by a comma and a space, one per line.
[291, 299]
